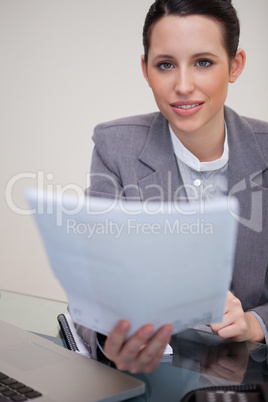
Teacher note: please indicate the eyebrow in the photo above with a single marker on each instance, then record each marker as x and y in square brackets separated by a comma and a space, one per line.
[194, 56]
[163, 56]
[204, 54]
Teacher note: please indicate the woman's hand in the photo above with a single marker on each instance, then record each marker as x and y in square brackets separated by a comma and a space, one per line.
[142, 352]
[238, 325]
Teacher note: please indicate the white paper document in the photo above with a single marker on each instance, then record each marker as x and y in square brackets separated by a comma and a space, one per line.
[146, 263]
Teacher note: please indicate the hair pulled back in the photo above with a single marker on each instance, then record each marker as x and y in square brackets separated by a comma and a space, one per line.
[221, 11]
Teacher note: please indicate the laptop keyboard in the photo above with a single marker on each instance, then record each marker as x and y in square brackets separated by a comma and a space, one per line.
[12, 390]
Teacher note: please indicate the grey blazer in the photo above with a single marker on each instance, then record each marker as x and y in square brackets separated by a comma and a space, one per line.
[134, 155]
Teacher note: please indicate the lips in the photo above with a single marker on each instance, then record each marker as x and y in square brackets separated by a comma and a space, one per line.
[187, 108]
[186, 104]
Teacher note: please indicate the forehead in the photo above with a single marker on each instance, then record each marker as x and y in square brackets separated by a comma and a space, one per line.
[190, 34]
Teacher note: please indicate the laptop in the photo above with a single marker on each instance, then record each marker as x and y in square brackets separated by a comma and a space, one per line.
[34, 368]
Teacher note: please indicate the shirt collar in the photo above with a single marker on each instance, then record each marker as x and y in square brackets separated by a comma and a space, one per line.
[184, 155]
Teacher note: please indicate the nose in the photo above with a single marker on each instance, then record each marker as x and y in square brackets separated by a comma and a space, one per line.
[184, 84]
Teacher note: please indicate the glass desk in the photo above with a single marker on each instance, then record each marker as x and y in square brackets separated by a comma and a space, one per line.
[200, 359]
[31, 313]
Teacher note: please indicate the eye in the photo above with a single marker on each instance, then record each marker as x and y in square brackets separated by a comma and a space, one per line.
[165, 66]
[204, 63]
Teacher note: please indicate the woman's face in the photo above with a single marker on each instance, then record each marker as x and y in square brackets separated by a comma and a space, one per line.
[189, 71]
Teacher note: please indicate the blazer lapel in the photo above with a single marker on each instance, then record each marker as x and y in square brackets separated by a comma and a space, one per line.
[164, 182]
[245, 170]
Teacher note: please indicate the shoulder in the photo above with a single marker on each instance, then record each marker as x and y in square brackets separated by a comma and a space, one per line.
[241, 122]
[125, 126]
[243, 128]
[260, 130]
[258, 126]
[237, 121]
[124, 133]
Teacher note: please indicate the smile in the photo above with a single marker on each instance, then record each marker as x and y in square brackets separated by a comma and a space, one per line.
[186, 109]
[187, 106]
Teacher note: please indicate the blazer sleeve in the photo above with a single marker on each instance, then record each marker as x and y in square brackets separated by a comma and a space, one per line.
[261, 310]
[89, 338]
[103, 181]
[261, 313]
[262, 324]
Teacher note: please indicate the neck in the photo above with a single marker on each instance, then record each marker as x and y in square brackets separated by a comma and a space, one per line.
[206, 144]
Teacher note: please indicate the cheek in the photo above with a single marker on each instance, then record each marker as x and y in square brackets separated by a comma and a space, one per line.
[215, 90]
[160, 87]
[218, 84]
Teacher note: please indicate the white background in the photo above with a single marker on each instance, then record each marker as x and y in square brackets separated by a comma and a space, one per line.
[65, 66]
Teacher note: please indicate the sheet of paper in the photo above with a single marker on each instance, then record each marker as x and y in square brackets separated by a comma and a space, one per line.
[121, 262]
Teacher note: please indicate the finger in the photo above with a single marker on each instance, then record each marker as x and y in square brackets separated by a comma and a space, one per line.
[235, 331]
[228, 319]
[232, 318]
[150, 356]
[152, 365]
[133, 347]
[156, 346]
[232, 312]
[116, 339]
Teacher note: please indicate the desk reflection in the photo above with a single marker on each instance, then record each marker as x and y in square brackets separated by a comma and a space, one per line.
[220, 361]
[202, 359]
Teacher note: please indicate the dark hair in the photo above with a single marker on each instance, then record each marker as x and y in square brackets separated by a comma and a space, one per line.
[221, 11]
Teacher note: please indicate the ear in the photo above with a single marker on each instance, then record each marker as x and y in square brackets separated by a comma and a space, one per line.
[237, 65]
[144, 69]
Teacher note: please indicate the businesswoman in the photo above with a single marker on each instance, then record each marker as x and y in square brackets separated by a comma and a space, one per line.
[195, 144]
